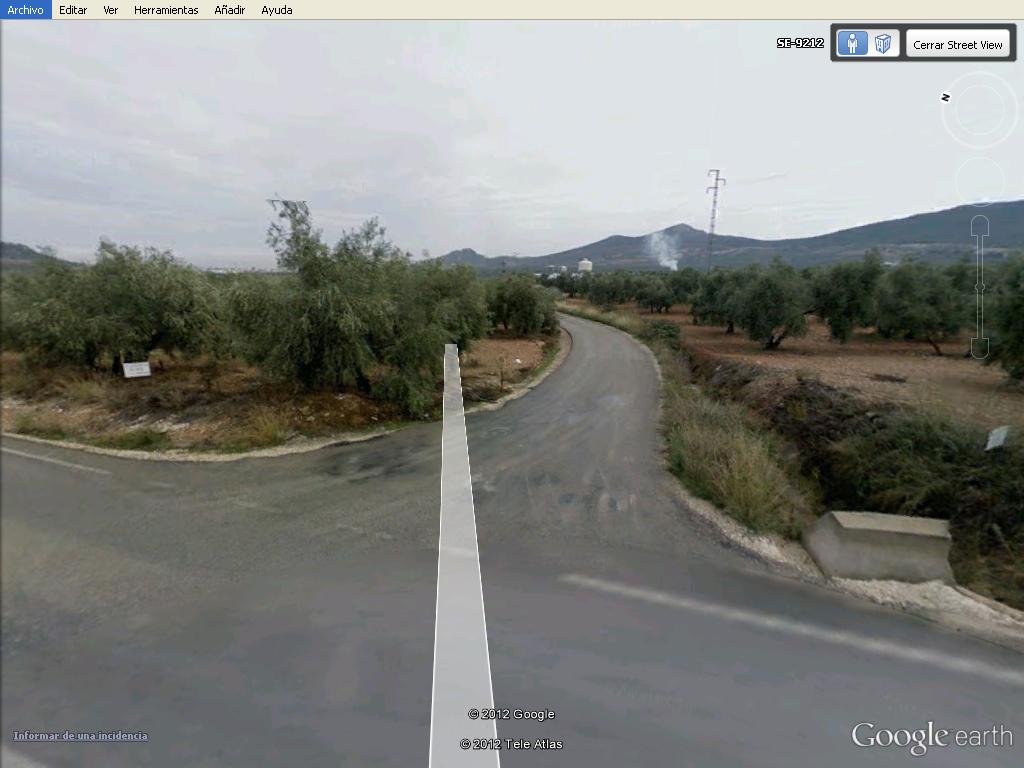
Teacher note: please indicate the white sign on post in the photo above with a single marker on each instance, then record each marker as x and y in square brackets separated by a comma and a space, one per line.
[997, 438]
[136, 370]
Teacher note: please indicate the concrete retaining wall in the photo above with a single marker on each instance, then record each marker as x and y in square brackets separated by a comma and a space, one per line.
[869, 545]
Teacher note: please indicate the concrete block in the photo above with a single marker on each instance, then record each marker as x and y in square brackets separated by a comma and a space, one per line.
[870, 545]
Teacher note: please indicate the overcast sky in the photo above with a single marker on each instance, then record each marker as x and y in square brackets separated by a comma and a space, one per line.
[504, 137]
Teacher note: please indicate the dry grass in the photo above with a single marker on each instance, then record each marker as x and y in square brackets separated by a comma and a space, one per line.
[48, 425]
[720, 456]
[87, 390]
[627, 321]
[266, 427]
[20, 380]
[721, 453]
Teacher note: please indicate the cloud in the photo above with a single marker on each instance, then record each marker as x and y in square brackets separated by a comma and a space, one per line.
[529, 136]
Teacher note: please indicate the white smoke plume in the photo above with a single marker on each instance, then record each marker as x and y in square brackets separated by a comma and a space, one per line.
[662, 250]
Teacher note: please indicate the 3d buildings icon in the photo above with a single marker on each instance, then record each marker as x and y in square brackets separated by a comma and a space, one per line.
[882, 43]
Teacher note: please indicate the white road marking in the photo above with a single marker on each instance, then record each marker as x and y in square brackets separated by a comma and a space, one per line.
[802, 629]
[69, 464]
[460, 552]
[462, 667]
[12, 759]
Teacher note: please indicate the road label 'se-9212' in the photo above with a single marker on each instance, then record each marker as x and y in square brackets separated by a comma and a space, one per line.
[800, 42]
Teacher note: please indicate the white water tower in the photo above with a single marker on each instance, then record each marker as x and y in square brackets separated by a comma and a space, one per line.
[586, 265]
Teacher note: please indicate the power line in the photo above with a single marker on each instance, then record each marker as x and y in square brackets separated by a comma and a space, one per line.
[713, 188]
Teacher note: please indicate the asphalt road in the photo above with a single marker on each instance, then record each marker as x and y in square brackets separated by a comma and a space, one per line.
[280, 612]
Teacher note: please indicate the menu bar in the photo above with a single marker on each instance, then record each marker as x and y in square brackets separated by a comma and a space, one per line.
[879, 10]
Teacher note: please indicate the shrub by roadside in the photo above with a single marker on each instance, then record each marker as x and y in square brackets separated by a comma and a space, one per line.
[721, 454]
[896, 460]
[139, 439]
[48, 426]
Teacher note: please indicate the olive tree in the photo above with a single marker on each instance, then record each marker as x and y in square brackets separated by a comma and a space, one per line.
[317, 324]
[1008, 316]
[715, 299]
[356, 315]
[139, 300]
[43, 316]
[610, 288]
[844, 295]
[772, 304]
[918, 301]
[435, 305]
[653, 294]
[130, 302]
[517, 303]
[683, 284]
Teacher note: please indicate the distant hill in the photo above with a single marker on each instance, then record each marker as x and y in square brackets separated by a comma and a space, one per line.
[468, 256]
[15, 257]
[938, 236]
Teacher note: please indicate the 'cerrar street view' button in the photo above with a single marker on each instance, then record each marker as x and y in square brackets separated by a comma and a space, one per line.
[966, 43]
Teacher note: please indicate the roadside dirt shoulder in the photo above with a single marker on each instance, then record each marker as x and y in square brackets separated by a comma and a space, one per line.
[532, 378]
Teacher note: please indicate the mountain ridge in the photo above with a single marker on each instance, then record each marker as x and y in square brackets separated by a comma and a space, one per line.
[16, 257]
[943, 235]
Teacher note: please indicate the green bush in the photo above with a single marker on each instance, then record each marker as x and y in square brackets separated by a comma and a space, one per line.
[608, 289]
[918, 301]
[45, 316]
[772, 304]
[715, 299]
[844, 295]
[141, 439]
[1008, 316]
[683, 284]
[653, 293]
[897, 461]
[319, 325]
[516, 302]
[357, 315]
[916, 465]
[661, 330]
[130, 302]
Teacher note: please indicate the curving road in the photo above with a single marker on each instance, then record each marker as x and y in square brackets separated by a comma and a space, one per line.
[281, 611]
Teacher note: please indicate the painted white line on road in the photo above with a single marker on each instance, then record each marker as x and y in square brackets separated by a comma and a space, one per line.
[11, 759]
[50, 460]
[802, 629]
[462, 666]
[461, 552]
